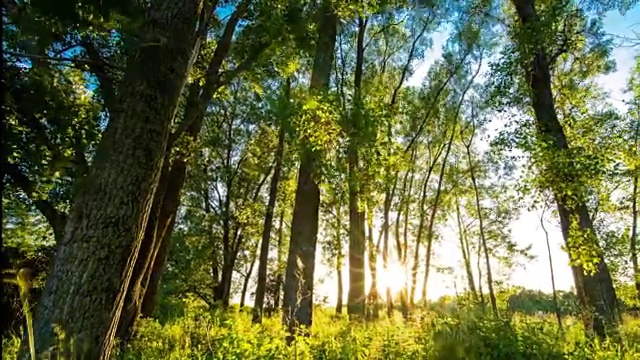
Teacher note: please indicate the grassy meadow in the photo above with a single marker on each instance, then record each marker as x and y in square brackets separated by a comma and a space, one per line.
[464, 334]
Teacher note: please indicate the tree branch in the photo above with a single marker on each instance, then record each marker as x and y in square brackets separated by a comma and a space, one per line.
[56, 219]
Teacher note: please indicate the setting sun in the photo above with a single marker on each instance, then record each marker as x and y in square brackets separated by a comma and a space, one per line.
[394, 278]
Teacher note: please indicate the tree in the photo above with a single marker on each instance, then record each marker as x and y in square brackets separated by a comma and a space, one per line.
[594, 286]
[85, 291]
[298, 286]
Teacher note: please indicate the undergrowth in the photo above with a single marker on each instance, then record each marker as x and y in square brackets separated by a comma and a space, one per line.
[202, 334]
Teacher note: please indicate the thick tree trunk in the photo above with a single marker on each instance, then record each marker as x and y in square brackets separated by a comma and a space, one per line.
[298, 288]
[268, 224]
[87, 287]
[148, 269]
[595, 291]
[356, 297]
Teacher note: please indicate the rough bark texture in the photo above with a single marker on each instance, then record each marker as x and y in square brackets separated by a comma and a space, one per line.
[266, 229]
[86, 289]
[356, 297]
[595, 291]
[298, 288]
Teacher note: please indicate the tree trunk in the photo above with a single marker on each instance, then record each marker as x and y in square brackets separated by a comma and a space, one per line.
[339, 259]
[356, 297]
[464, 246]
[402, 247]
[87, 287]
[434, 208]
[298, 288]
[278, 287]
[483, 239]
[596, 291]
[268, 223]
[247, 279]
[553, 277]
[633, 241]
[389, 194]
[416, 254]
[373, 262]
[157, 233]
[483, 303]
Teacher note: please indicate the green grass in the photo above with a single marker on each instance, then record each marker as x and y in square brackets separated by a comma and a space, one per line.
[200, 334]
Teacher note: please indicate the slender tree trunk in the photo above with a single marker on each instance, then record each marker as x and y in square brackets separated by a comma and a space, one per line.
[356, 298]
[423, 212]
[434, 210]
[596, 291]
[389, 194]
[483, 239]
[339, 259]
[464, 248]
[278, 287]
[298, 288]
[483, 303]
[403, 248]
[87, 287]
[373, 262]
[247, 279]
[556, 305]
[633, 241]
[436, 201]
[268, 222]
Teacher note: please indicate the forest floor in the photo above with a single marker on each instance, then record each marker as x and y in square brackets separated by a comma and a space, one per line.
[200, 334]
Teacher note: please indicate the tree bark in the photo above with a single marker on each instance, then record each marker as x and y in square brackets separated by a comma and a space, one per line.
[356, 297]
[339, 259]
[247, 279]
[464, 247]
[553, 277]
[596, 291]
[633, 240]
[298, 288]
[483, 239]
[277, 290]
[268, 224]
[434, 208]
[374, 312]
[86, 289]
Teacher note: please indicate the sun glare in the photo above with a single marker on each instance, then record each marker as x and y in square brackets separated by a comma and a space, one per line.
[394, 278]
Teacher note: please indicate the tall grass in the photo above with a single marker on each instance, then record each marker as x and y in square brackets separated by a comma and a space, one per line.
[201, 334]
